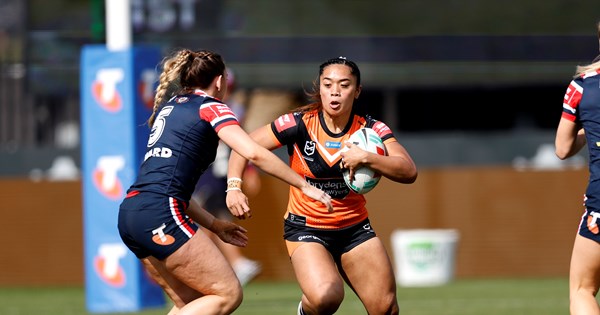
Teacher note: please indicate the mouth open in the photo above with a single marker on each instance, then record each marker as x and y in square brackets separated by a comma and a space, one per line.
[335, 105]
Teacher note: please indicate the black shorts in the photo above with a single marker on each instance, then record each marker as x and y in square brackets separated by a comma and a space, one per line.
[210, 193]
[589, 227]
[151, 224]
[337, 242]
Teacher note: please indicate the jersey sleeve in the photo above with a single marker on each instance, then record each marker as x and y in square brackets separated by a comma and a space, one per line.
[218, 114]
[384, 132]
[285, 128]
[572, 99]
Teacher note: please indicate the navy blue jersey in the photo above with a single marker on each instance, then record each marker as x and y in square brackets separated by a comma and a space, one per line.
[182, 144]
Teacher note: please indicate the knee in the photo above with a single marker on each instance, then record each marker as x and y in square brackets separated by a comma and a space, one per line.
[385, 304]
[326, 300]
[233, 299]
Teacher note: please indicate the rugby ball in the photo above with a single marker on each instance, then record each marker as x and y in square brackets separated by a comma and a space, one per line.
[365, 179]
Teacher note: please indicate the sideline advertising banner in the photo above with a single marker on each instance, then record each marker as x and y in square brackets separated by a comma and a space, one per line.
[117, 91]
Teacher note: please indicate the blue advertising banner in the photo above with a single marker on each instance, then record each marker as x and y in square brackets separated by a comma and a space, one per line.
[117, 92]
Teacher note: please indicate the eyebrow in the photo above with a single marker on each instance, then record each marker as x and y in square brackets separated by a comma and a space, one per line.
[341, 80]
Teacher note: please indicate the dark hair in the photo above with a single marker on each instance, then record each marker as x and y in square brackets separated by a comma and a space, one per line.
[201, 68]
[342, 61]
[315, 94]
[184, 71]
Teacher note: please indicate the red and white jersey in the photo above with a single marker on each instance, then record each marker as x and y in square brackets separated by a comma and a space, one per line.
[314, 153]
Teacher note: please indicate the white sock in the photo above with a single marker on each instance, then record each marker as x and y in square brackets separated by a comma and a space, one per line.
[300, 310]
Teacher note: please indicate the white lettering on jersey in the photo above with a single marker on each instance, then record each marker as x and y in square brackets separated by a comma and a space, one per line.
[158, 152]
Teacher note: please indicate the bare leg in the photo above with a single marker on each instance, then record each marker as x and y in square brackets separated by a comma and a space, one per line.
[584, 277]
[197, 278]
[321, 284]
[378, 290]
[244, 268]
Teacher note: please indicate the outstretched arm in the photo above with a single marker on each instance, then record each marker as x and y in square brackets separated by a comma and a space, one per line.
[227, 231]
[257, 150]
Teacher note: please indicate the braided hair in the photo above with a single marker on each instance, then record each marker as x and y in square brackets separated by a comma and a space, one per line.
[183, 72]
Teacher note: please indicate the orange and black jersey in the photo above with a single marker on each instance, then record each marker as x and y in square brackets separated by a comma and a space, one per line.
[314, 153]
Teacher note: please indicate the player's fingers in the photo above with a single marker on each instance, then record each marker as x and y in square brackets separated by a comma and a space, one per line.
[241, 230]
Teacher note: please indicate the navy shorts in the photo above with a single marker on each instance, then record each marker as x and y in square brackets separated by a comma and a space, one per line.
[155, 225]
[210, 193]
[337, 242]
[590, 225]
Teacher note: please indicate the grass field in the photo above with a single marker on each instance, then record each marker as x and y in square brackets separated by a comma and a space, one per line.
[460, 297]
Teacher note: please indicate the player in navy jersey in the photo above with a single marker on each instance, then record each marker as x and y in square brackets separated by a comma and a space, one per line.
[325, 247]
[578, 126]
[157, 221]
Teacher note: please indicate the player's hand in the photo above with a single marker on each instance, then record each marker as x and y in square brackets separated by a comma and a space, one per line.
[230, 232]
[352, 158]
[317, 194]
[238, 205]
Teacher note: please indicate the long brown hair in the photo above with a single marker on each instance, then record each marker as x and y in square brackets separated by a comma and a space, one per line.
[184, 71]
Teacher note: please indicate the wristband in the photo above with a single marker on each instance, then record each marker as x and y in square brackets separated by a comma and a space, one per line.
[234, 179]
[234, 182]
[232, 188]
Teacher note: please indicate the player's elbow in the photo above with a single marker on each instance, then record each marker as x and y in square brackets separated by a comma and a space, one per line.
[562, 153]
[258, 156]
[253, 155]
[411, 176]
[406, 176]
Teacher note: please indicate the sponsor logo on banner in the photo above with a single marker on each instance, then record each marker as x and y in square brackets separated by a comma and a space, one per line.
[107, 264]
[104, 89]
[105, 176]
[146, 87]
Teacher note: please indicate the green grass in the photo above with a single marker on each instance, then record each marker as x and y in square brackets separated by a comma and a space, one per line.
[461, 297]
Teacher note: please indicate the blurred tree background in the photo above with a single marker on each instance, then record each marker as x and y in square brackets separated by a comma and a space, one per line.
[482, 79]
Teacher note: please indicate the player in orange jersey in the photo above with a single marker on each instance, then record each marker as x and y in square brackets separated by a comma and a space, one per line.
[327, 248]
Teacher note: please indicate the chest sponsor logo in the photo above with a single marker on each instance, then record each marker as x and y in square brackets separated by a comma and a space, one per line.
[334, 187]
[333, 145]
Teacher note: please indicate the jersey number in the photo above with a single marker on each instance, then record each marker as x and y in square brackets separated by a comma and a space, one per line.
[159, 125]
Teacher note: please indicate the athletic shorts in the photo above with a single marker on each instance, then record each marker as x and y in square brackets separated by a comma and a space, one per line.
[337, 242]
[155, 225]
[210, 193]
[589, 226]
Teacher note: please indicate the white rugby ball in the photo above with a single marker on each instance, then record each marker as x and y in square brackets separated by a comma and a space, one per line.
[365, 179]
